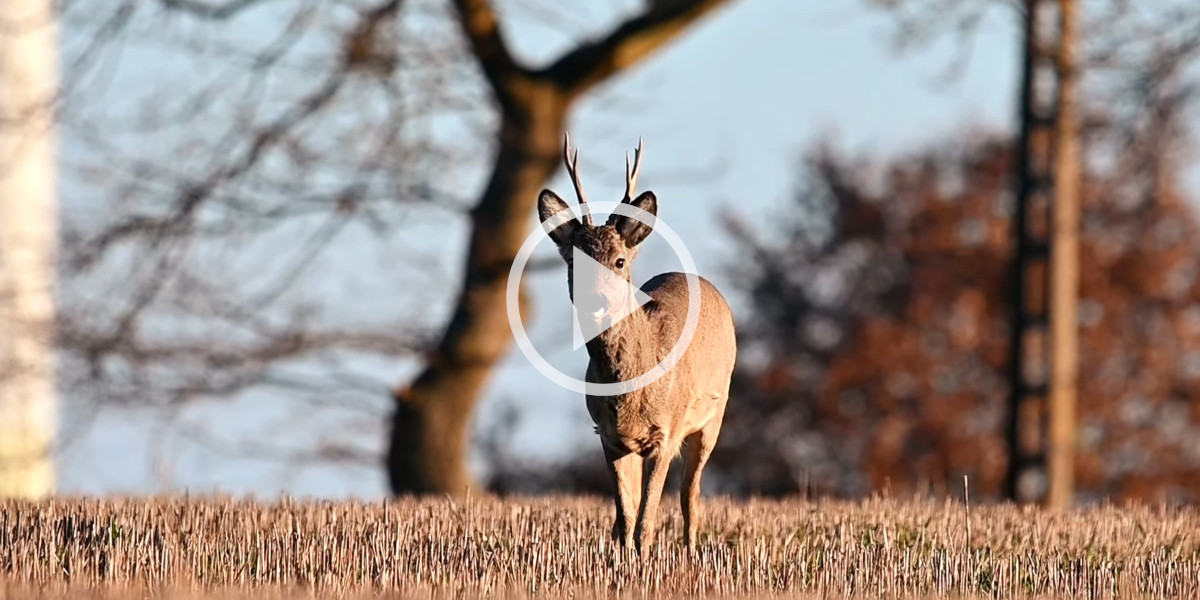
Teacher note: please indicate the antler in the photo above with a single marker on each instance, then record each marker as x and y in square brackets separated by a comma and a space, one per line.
[572, 162]
[631, 173]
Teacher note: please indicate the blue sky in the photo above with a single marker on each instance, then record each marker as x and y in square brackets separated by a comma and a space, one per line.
[746, 91]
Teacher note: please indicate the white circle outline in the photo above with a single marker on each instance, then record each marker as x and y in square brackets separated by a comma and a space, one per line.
[512, 300]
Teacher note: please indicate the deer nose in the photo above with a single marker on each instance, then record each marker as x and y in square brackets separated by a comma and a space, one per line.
[593, 305]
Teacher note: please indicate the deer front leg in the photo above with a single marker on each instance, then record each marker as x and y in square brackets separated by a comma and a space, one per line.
[656, 465]
[626, 472]
[699, 448]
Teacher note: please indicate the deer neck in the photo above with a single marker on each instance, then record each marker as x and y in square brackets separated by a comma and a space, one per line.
[626, 350]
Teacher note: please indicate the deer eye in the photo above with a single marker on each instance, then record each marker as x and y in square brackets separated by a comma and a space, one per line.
[620, 263]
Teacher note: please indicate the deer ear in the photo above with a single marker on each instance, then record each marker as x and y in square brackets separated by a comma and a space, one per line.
[549, 205]
[632, 230]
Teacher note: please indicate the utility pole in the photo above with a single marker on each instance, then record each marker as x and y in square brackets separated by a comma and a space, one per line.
[28, 210]
[1043, 343]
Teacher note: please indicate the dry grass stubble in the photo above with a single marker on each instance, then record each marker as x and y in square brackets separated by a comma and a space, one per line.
[559, 547]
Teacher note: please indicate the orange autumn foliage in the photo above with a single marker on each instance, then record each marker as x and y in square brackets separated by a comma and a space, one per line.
[877, 339]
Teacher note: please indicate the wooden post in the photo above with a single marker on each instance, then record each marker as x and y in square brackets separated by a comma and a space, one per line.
[28, 207]
[1064, 266]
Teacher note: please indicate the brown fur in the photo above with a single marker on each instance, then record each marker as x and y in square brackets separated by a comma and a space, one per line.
[643, 430]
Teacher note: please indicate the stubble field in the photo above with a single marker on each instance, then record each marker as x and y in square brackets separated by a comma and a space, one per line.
[558, 547]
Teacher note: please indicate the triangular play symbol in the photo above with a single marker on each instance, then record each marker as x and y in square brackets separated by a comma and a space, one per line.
[588, 272]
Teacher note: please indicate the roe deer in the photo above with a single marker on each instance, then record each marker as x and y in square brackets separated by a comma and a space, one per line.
[641, 431]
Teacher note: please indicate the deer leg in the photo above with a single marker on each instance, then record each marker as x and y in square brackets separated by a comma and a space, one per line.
[699, 448]
[626, 472]
[656, 465]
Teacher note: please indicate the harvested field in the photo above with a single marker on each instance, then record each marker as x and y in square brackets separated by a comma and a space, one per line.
[558, 547]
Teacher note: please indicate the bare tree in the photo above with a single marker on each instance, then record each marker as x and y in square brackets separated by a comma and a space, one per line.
[429, 435]
[200, 278]
[203, 200]
[28, 83]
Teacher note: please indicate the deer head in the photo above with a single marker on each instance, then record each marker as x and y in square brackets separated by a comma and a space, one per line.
[612, 245]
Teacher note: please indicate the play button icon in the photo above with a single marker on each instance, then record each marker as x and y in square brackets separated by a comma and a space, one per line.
[602, 298]
[512, 298]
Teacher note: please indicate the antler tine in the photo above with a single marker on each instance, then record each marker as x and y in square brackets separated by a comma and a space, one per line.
[572, 162]
[631, 172]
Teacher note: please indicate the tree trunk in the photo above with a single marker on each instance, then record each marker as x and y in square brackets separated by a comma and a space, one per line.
[1064, 268]
[28, 80]
[1040, 429]
[1025, 474]
[432, 419]
[431, 425]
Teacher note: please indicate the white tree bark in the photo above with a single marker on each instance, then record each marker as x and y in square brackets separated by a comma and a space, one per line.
[28, 211]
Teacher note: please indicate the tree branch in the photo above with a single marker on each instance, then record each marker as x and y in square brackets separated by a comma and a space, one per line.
[481, 27]
[209, 11]
[632, 41]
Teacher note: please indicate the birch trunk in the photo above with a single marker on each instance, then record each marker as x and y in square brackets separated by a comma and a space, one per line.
[28, 83]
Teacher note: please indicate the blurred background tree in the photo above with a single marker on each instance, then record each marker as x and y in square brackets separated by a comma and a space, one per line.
[875, 347]
[428, 446]
[210, 222]
[312, 121]
[881, 335]
[28, 203]
[881, 312]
